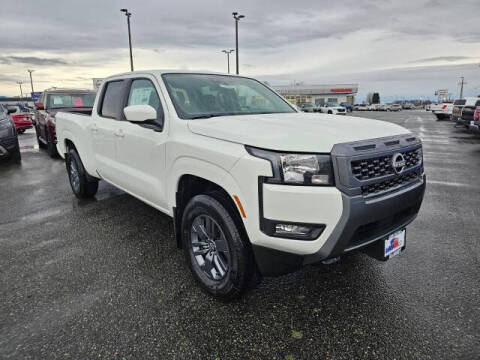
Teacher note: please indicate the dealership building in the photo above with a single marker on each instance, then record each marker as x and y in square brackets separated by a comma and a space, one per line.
[319, 94]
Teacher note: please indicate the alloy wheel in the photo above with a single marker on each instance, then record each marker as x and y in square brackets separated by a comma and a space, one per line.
[209, 247]
[74, 176]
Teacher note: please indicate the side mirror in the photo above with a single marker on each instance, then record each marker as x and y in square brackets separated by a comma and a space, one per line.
[39, 106]
[140, 113]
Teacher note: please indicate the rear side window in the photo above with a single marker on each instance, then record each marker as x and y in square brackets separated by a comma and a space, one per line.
[477, 103]
[112, 99]
[459, 102]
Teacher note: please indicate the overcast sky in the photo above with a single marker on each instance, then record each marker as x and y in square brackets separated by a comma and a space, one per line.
[400, 48]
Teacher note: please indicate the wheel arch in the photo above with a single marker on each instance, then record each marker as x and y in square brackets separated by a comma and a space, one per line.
[190, 184]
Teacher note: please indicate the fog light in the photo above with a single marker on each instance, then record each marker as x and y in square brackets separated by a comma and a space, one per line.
[284, 229]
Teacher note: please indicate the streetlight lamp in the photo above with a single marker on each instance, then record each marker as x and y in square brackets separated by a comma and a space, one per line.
[128, 14]
[31, 81]
[228, 52]
[237, 18]
[21, 92]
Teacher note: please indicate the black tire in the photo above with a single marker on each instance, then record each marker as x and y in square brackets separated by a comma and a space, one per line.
[82, 187]
[238, 257]
[51, 147]
[21, 131]
[329, 112]
[41, 145]
[16, 156]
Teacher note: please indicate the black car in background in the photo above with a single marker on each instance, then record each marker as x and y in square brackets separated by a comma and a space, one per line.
[9, 147]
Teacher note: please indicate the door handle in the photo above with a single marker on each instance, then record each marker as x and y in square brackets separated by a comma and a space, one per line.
[94, 128]
[119, 133]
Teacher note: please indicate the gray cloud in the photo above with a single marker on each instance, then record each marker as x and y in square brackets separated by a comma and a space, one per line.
[91, 24]
[31, 60]
[441, 58]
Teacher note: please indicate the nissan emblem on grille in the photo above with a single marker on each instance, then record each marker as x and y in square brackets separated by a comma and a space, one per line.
[398, 162]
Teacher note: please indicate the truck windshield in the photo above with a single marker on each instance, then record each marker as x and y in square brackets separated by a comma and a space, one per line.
[58, 101]
[198, 96]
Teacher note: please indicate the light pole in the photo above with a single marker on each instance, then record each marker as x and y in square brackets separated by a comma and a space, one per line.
[461, 83]
[21, 92]
[228, 52]
[128, 14]
[31, 81]
[237, 18]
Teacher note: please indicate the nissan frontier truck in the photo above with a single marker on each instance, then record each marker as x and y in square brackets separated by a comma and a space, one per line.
[254, 186]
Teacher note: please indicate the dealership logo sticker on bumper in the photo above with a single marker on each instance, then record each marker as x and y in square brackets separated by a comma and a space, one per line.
[394, 243]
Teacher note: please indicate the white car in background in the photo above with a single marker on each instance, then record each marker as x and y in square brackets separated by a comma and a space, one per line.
[361, 107]
[443, 111]
[333, 109]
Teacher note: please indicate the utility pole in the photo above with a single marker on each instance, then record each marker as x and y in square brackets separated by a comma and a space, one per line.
[237, 19]
[31, 81]
[228, 52]
[461, 83]
[21, 92]
[128, 14]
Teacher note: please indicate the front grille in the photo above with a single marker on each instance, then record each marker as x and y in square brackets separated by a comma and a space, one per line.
[392, 184]
[371, 168]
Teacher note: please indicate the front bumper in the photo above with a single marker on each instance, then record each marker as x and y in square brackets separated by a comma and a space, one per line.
[362, 223]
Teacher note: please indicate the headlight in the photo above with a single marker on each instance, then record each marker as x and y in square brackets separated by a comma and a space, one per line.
[298, 169]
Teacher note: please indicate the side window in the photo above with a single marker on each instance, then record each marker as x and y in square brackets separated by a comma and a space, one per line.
[142, 92]
[112, 99]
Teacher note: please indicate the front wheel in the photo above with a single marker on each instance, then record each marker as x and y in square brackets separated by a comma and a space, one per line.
[215, 249]
[82, 186]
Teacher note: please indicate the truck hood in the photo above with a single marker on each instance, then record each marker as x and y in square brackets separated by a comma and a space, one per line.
[293, 131]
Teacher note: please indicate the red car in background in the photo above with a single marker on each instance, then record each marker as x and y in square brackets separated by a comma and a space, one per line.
[21, 117]
[52, 101]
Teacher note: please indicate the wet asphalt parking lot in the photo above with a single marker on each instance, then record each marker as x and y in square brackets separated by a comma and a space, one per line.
[103, 278]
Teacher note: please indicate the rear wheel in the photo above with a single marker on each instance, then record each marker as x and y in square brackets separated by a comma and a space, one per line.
[41, 145]
[329, 111]
[51, 147]
[20, 131]
[215, 248]
[82, 185]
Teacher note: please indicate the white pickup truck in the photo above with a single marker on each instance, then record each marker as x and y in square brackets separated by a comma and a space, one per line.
[254, 186]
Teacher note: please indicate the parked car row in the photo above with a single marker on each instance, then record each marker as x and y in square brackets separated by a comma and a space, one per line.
[381, 107]
[463, 112]
[328, 108]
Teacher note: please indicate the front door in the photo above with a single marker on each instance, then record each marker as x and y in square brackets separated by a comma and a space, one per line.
[141, 147]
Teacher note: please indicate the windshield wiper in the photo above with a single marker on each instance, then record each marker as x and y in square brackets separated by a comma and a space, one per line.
[207, 116]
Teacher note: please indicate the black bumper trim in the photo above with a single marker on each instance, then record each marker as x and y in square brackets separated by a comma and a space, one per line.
[362, 223]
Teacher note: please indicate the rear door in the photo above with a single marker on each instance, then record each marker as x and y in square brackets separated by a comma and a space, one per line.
[104, 126]
[141, 146]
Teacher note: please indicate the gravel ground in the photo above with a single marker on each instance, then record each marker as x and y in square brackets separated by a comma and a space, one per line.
[103, 278]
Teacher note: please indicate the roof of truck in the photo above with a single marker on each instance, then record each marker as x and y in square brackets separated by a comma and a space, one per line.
[168, 71]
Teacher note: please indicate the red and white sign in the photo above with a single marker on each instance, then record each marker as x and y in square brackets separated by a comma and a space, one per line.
[341, 90]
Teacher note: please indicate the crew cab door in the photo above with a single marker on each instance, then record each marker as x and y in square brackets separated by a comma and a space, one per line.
[141, 146]
[103, 127]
